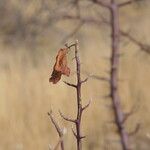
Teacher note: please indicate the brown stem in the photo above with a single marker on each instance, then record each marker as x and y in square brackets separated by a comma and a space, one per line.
[80, 108]
[119, 116]
[58, 129]
[79, 101]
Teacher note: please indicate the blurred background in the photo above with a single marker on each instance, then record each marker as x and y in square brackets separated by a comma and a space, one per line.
[31, 33]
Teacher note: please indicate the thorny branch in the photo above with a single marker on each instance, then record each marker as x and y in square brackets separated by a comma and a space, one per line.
[59, 131]
[80, 108]
[114, 62]
[120, 117]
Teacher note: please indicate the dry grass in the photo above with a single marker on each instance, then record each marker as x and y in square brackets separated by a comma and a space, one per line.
[26, 95]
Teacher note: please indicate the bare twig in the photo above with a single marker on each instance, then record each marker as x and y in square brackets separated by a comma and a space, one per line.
[59, 131]
[127, 115]
[70, 84]
[80, 109]
[87, 105]
[69, 46]
[66, 118]
[85, 80]
[130, 113]
[79, 101]
[119, 116]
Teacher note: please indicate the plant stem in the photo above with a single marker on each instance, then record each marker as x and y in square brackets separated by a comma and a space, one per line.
[79, 101]
[119, 116]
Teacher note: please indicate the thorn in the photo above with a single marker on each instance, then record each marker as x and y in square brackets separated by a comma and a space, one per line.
[82, 137]
[69, 46]
[49, 113]
[128, 114]
[67, 119]
[87, 105]
[85, 80]
[66, 45]
[70, 84]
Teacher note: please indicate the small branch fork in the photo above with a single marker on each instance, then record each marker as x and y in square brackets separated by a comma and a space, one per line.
[83, 20]
[80, 107]
[59, 131]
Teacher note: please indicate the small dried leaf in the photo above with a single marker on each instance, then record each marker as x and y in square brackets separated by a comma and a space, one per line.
[55, 77]
[60, 66]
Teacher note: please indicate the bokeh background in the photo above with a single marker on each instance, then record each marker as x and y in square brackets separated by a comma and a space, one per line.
[30, 36]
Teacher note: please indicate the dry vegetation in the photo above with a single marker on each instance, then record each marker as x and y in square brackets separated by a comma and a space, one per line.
[26, 95]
